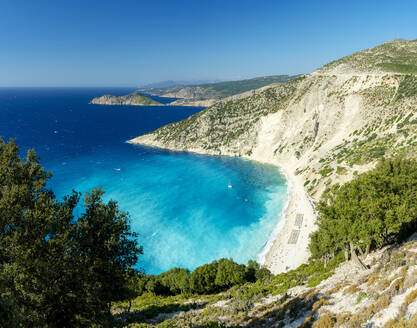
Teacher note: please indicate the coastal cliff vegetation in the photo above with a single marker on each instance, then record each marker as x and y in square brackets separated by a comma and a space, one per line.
[218, 90]
[374, 209]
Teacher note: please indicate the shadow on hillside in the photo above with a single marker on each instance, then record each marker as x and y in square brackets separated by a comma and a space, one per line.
[155, 313]
[301, 309]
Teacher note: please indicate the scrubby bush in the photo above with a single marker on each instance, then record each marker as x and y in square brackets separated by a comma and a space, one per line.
[325, 321]
[410, 298]
[206, 279]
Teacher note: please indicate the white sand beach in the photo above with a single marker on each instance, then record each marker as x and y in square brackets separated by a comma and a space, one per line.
[288, 246]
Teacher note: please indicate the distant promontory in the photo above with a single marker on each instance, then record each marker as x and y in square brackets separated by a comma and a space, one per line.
[133, 99]
[200, 95]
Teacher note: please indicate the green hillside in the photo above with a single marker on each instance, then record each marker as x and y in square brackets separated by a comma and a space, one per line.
[221, 89]
[395, 56]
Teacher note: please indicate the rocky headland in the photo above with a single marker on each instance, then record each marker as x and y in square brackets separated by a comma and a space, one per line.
[133, 99]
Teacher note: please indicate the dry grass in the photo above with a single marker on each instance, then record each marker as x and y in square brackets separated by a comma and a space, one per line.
[410, 298]
[343, 319]
[325, 321]
[383, 284]
[317, 305]
[372, 279]
[334, 290]
[357, 320]
[402, 323]
[351, 290]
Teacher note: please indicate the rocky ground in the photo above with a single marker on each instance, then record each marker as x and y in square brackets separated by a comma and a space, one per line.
[383, 296]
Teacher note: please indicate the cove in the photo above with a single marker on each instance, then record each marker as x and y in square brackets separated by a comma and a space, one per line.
[187, 209]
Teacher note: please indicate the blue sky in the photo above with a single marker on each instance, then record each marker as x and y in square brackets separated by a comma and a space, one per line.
[129, 43]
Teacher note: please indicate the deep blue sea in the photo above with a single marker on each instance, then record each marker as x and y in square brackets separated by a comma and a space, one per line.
[187, 209]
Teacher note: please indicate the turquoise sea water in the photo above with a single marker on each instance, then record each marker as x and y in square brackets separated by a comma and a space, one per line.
[188, 209]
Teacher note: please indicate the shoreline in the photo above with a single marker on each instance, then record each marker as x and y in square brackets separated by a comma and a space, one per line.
[290, 241]
[290, 245]
[263, 255]
[285, 249]
[153, 105]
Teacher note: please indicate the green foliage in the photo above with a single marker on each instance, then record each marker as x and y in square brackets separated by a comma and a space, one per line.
[326, 171]
[206, 279]
[229, 274]
[374, 208]
[9, 311]
[367, 150]
[398, 67]
[340, 170]
[396, 56]
[150, 305]
[224, 89]
[361, 296]
[310, 274]
[167, 324]
[241, 296]
[58, 270]
[213, 324]
[407, 87]
[406, 121]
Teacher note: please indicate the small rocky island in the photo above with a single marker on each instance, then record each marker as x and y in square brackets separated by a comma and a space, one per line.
[134, 99]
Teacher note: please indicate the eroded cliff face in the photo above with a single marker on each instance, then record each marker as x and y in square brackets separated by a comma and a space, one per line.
[327, 126]
[228, 127]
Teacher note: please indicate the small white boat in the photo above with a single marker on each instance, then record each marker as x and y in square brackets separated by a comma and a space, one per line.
[229, 186]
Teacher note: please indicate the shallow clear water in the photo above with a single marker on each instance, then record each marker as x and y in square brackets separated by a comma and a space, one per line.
[180, 204]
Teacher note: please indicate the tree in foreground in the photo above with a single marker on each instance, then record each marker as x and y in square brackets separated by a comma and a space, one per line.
[58, 269]
[376, 208]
